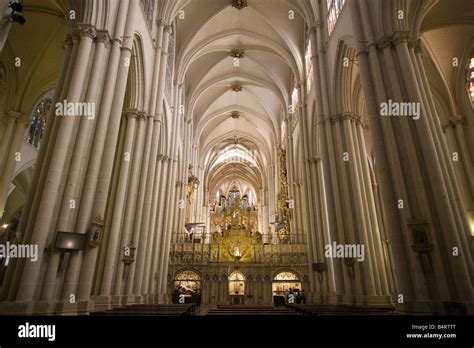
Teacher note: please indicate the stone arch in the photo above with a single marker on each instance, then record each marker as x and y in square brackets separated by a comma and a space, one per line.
[286, 269]
[135, 91]
[342, 82]
[17, 194]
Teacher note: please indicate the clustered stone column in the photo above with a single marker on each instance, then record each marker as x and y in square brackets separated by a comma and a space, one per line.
[79, 150]
[9, 145]
[418, 189]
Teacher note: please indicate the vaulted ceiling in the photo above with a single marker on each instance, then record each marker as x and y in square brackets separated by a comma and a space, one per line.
[239, 67]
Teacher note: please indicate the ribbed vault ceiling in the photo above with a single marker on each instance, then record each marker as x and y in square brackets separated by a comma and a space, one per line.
[237, 132]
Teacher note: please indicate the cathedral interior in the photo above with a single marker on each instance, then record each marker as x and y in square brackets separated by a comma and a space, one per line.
[276, 154]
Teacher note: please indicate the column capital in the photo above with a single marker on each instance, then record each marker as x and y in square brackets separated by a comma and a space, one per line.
[401, 37]
[321, 119]
[18, 117]
[130, 113]
[166, 27]
[13, 115]
[345, 116]
[75, 35]
[162, 23]
[89, 31]
[103, 36]
[416, 43]
[142, 115]
[384, 42]
[453, 122]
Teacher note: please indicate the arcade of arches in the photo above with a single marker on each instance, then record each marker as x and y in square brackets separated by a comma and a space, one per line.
[234, 151]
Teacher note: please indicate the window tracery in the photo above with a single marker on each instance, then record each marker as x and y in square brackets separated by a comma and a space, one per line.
[148, 7]
[38, 122]
[334, 9]
[309, 68]
[471, 80]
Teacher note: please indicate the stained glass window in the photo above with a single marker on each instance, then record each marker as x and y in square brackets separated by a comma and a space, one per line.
[334, 9]
[170, 65]
[38, 122]
[148, 7]
[309, 68]
[471, 80]
[294, 101]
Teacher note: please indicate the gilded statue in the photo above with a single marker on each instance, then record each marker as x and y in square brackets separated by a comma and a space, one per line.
[193, 184]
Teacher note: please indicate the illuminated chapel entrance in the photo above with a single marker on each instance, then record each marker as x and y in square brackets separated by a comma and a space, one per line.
[286, 287]
[237, 287]
[187, 287]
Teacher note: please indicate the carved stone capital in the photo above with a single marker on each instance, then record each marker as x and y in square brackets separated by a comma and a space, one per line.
[416, 44]
[142, 115]
[87, 31]
[129, 114]
[161, 22]
[385, 42]
[453, 122]
[344, 116]
[104, 37]
[401, 37]
[17, 116]
[321, 120]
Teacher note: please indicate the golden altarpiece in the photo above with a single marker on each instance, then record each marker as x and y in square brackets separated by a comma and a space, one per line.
[230, 261]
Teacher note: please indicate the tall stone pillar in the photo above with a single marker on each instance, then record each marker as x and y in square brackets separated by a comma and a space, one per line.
[146, 236]
[49, 195]
[119, 206]
[16, 125]
[414, 170]
[98, 177]
[165, 247]
[127, 239]
[75, 180]
[152, 123]
[14, 271]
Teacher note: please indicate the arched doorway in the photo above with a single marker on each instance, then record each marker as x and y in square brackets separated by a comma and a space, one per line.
[286, 287]
[187, 287]
[236, 287]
